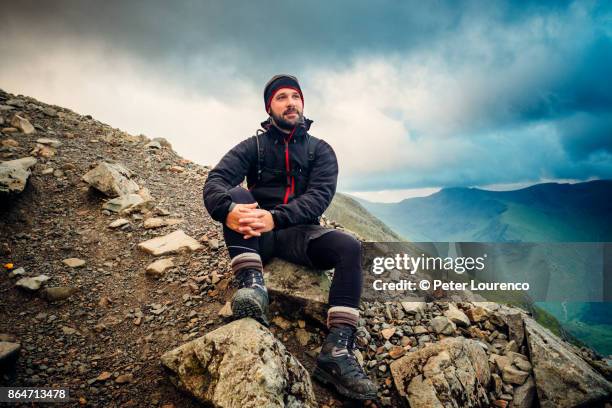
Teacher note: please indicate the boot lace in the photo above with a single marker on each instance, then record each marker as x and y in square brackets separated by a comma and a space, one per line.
[248, 278]
[346, 339]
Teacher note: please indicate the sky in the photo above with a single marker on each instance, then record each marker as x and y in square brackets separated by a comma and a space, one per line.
[412, 96]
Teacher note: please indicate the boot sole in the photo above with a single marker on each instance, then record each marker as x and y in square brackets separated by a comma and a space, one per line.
[325, 378]
[246, 306]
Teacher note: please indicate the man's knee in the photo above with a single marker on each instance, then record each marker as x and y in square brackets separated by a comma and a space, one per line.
[241, 195]
[346, 244]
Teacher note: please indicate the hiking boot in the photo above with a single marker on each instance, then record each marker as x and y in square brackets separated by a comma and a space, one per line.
[337, 365]
[251, 298]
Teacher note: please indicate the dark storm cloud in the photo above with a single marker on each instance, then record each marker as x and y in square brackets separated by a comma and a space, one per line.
[518, 90]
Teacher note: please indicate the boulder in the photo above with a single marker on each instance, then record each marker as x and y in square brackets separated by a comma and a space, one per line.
[14, 174]
[452, 372]
[170, 243]
[22, 124]
[298, 289]
[111, 179]
[457, 316]
[524, 395]
[242, 365]
[442, 325]
[562, 378]
[9, 352]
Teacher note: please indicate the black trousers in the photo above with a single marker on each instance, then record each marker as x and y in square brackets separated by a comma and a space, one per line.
[310, 245]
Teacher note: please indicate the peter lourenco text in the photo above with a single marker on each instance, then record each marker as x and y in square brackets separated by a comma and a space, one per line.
[459, 264]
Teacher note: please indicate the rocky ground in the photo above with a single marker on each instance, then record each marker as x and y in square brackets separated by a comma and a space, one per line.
[93, 309]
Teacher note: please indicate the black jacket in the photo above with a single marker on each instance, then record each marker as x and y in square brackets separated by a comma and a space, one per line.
[295, 191]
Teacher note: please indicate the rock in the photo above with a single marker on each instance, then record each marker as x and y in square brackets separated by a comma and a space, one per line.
[442, 325]
[104, 375]
[17, 272]
[513, 375]
[508, 316]
[396, 352]
[59, 293]
[111, 179]
[19, 103]
[162, 141]
[9, 352]
[123, 202]
[387, 333]
[524, 395]
[226, 310]
[501, 362]
[452, 372]
[457, 316]
[44, 151]
[476, 314]
[562, 378]
[14, 174]
[298, 288]
[74, 262]
[153, 145]
[169, 243]
[413, 308]
[303, 337]
[157, 268]
[161, 222]
[240, 364]
[120, 222]
[51, 142]
[22, 124]
[32, 284]
[50, 112]
[124, 378]
[281, 322]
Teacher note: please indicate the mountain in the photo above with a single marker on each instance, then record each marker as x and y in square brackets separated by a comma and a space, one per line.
[351, 214]
[549, 212]
[109, 261]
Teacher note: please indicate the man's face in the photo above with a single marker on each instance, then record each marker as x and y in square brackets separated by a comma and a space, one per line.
[287, 108]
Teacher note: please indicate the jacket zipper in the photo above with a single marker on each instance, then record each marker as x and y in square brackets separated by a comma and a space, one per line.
[291, 185]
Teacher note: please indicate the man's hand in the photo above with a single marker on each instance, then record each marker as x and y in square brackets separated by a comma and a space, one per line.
[247, 219]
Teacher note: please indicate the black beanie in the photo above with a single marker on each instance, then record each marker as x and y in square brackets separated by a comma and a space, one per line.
[277, 82]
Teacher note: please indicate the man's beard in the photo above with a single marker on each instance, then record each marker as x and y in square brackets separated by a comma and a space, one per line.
[284, 124]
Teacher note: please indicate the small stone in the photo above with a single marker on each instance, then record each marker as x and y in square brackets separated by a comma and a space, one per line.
[226, 310]
[59, 292]
[124, 379]
[303, 337]
[120, 222]
[157, 268]
[32, 284]
[281, 322]
[387, 333]
[105, 375]
[74, 262]
[50, 142]
[396, 352]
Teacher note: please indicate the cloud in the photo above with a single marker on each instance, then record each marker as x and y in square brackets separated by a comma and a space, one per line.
[409, 96]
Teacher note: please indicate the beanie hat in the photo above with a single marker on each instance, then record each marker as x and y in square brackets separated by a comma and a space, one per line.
[277, 82]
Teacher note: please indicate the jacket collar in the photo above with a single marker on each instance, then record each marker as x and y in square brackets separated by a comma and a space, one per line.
[274, 132]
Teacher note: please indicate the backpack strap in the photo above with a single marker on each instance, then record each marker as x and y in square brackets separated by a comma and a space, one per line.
[260, 153]
[311, 145]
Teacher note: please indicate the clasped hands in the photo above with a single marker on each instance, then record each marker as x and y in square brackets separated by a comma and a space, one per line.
[249, 220]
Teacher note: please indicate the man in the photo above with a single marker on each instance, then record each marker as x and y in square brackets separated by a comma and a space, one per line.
[291, 179]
